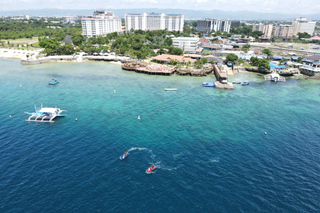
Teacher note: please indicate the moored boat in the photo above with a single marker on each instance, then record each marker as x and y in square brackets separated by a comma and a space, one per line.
[245, 83]
[53, 82]
[45, 114]
[170, 89]
[236, 82]
[207, 84]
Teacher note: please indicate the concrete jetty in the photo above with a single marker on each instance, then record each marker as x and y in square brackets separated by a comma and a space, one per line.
[222, 79]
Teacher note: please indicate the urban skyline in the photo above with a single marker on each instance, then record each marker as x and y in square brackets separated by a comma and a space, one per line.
[276, 6]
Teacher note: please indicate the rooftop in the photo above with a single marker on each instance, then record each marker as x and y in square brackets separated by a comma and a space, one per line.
[314, 57]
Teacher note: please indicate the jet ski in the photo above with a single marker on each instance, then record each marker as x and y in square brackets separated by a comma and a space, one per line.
[151, 169]
[124, 156]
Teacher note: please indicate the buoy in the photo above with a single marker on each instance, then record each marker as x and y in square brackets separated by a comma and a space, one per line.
[10, 116]
[265, 133]
[139, 117]
[76, 119]
[20, 85]
[114, 91]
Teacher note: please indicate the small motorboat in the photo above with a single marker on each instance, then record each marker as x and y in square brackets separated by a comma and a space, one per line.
[170, 89]
[207, 84]
[236, 82]
[245, 83]
[124, 156]
[53, 82]
[151, 169]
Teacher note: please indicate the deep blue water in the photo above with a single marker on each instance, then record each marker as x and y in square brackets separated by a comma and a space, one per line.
[208, 144]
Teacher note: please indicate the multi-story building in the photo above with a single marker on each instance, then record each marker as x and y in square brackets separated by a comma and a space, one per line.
[235, 24]
[207, 25]
[187, 44]
[311, 66]
[303, 25]
[265, 28]
[154, 21]
[100, 24]
[283, 31]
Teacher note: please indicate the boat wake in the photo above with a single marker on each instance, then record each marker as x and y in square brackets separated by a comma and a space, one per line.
[177, 155]
[153, 156]
[214, 160]
[161, 166]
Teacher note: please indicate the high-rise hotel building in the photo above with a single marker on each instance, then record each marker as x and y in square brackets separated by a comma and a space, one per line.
[303, 25]
[207, 25]
[154, 21]
[100, 24]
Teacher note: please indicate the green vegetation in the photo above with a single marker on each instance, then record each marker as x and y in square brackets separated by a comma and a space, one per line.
[10, 29]
[140, 44]
[267, 51]
[231, 57]
[261, 63]
[304, 35]
[246, 31]
[246, 48]
[200, 62]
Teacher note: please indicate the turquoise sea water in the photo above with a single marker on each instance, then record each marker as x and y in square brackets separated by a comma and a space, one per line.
[208, 144]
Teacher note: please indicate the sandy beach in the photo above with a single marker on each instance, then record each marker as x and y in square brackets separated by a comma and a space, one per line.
[18, 54]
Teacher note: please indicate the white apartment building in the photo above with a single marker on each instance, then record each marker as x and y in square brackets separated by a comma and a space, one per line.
[283, 31]
[154, 21]
[100, 24]
[265, 28]
[187, 44]
[207, 25]
[302, 24]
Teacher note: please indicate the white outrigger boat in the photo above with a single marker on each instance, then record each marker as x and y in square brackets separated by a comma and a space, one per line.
[274, 76]
[45, 114]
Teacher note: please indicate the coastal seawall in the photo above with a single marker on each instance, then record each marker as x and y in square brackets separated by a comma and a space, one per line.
[50, 59]
[74, 58]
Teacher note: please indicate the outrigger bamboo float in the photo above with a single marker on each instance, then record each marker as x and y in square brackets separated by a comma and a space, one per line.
[45, 114]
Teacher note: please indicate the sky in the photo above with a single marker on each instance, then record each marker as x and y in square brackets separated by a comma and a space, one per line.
[264, 6]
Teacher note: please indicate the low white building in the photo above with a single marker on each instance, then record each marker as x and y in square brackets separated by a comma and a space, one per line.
[100, 24]
[187, 44]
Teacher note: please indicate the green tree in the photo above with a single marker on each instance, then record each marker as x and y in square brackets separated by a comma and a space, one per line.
[273, 39]
[246, 48]
[231, 57]
[175, 51]
[264, 63]
[304, 35]
[254, 61]
[267, 51]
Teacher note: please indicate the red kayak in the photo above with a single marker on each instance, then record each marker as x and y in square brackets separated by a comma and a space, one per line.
[151, 169]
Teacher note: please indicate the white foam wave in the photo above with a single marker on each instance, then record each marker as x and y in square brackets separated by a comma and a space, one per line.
[138, 148]
[153, 156]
